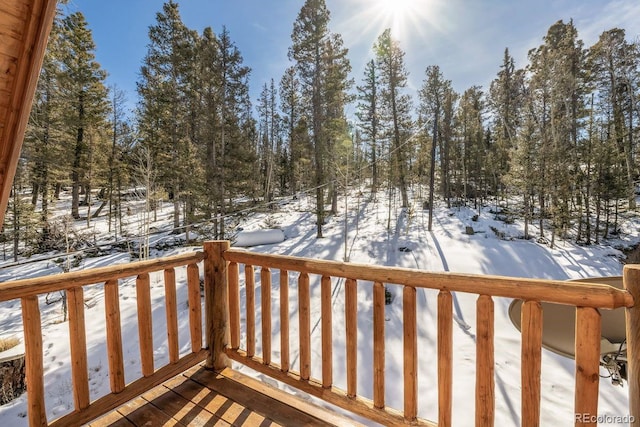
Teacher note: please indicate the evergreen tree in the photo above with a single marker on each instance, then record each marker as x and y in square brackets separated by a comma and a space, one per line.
[369, 116]
[85, 95]
[396, 106]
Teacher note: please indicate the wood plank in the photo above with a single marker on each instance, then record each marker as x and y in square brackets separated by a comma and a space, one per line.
[265, 303]
[16, 9]
[34, 379]
[410, 344]
[12, 26]
[216, 303]
[323, 414]
[112, 419]
[114, 336]
[221, 406]
[304, 313]
[11, 46]
[234, 304]
[445, 358]
[335, 396]
[284, 320]
[327, 333]
[78, 348]
[583, 294]
[631, 282]
[588, 334]
[256, 401]
[145, 327]
[195, 307]
[136, 388]
[485, 383]
[141, 414]
[180, 409]
[171, 310]
[531, 370]
[378, 345]
[351, 331]
[250, 296]
[41, 285]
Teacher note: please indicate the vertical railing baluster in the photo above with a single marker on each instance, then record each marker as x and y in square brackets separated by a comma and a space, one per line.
[145, 327]
[114, 336]
[485, 383]
[351, 330]
[445, 358]
[378, 345]
[588, 335]
[234, 304]
[409, 316]
[216, 300]
[304, 313]
[78, 347]
[194, 297]
[631, 281]
[327, 333]
[34, 358]
[531, 368]
[250, 290]
[265, 303]
[171, 310]
[284, 320]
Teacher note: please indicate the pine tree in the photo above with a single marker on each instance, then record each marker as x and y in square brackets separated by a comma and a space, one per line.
[85, 96]
[432, 97]
[369, 116]
[308, 52]
[396, 106]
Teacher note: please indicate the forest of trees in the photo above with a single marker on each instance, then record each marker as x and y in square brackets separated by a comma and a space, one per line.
[553, 143]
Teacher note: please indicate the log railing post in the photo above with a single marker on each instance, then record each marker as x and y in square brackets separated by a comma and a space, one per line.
[216, 303]
[631, 280]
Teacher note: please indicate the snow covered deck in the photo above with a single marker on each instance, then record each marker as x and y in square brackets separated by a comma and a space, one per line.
[284, 348]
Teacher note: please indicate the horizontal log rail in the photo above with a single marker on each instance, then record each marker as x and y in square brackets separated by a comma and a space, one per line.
[73, 284]
[579, 294]
[587, 297]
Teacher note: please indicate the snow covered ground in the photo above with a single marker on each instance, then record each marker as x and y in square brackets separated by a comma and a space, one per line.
[446, 248]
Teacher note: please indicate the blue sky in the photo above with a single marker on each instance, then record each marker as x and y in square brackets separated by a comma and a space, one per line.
[466, 38]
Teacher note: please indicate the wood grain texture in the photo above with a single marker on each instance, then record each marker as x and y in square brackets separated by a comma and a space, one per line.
[78, 348]
[145, 325]
[588, 334]
[410, 344]
[32, 324]
[304, 313]
[445, 358]
[234, 304]
[378, 345]
[195, 307]
[216, 295]
[114, 336]
[351, 330]
[265, 303]
[327, 333]
[631, 282]
[284, 320]
[485, 365]
[250, 314]
[531, 362]
[171, 312]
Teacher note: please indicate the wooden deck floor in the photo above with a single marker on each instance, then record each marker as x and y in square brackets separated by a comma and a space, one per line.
[203, 398]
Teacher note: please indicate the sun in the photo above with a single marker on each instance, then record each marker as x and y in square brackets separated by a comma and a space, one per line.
[401, 16]
[397, 8]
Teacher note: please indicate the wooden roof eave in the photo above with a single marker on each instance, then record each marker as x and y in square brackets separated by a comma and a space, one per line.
[25, 44]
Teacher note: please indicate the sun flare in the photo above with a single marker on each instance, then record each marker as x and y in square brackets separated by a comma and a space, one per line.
[401, 16]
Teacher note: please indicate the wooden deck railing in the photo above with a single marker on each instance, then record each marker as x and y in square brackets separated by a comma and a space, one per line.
[29, 290]
[586, 297]
[222, 311]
